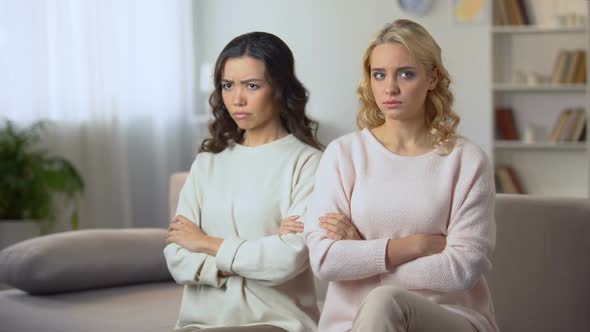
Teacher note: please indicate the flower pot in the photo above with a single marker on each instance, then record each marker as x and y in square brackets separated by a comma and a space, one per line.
[13, 231]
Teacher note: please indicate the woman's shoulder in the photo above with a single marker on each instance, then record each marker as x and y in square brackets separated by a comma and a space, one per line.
[468, 149]
[303, 147]
[200, 160]
[302, 155]
[203, 157]
[346, 143]
[471, 157]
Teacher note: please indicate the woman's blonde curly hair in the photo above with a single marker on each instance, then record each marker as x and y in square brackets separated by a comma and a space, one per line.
[441, 120]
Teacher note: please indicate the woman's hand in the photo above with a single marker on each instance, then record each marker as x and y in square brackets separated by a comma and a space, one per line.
[339, 227]
[188, 235]
[290, 225]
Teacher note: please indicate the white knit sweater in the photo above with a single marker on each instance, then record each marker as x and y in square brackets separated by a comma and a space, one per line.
[241, 195]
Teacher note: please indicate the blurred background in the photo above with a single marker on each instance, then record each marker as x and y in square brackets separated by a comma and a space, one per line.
[124, 83]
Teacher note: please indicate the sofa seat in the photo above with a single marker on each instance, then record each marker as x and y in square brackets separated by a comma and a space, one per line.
[539, 281]
[150, 307]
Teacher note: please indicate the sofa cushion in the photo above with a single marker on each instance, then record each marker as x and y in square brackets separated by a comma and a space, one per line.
[85, 259]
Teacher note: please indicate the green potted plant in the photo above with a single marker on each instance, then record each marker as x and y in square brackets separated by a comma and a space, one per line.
[31, 178]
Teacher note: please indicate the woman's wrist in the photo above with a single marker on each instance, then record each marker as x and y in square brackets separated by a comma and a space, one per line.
[212, 245]
[402, 250]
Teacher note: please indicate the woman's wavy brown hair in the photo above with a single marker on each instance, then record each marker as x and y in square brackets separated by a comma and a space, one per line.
[440, 118]
[289, 92]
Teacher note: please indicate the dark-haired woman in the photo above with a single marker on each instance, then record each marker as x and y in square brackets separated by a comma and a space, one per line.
[236, 242]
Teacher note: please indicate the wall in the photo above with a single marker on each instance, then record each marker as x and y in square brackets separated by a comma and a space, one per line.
[328, 38]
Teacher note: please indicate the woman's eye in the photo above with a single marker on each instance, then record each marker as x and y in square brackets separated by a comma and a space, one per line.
[252, 86]
[226, 86]
[379, 76]
[407, 74]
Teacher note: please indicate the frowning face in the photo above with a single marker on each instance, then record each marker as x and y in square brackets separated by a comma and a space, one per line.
[398, 83]
[247, 94]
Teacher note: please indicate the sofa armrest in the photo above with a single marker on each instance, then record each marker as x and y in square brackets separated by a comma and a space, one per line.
[539, 281]
[176, 182]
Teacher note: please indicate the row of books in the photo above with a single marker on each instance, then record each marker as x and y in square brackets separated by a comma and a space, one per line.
[570, 67]
[570, 126]
[507, 181]
[511, 12]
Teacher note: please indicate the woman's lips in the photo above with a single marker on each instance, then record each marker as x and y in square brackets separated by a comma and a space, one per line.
[241, 115]
[392, 103]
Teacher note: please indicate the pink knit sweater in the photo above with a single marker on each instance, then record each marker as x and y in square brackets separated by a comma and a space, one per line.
[388, 196]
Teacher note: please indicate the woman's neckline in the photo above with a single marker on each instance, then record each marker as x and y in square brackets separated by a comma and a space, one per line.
[285, 138]
[371, 137]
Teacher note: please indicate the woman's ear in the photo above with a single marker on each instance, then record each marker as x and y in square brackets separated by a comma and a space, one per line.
[433, 79]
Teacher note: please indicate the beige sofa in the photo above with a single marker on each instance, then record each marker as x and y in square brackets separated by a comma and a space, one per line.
[540, 282]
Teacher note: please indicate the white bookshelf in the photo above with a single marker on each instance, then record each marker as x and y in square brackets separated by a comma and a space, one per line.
[523, 146]
[546, 169]
[531, 29]
[510, 87]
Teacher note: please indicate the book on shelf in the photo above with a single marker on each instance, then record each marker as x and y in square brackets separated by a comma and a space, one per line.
[507, 180]
[500, 14]
[523, 12]
[584, 132]
[569, 67]
[577, 126]
[580, 77]
[559, 126]
[569, 126]
[558, 67]
[506, 124]
[570, 72]
[511, 12]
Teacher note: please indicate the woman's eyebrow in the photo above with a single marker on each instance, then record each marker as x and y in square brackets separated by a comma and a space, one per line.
[397, 69]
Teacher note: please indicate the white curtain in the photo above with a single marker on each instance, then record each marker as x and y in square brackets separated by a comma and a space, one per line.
[116, 77]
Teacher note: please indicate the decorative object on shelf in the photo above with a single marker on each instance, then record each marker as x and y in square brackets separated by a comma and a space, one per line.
[469, 11]
[31, 178]
[532, 134]
[415, 7]
[571, 20]
[529, 78]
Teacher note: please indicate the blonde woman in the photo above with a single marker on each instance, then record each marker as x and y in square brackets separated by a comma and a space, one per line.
[401, 219]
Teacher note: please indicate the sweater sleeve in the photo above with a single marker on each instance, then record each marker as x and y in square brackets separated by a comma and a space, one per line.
[339, 260]
[186, 267]
[273, 260]
[470, 239]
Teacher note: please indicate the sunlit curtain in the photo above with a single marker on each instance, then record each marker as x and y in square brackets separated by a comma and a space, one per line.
[116, 77]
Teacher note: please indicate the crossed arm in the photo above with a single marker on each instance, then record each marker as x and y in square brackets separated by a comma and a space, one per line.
[193, 257]
[186, 234]
[418, 261]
